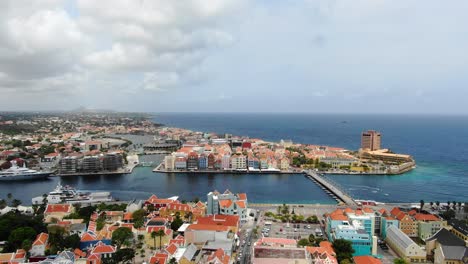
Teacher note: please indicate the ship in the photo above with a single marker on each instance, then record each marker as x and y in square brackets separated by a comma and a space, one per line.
[68, 194]
[16, 173]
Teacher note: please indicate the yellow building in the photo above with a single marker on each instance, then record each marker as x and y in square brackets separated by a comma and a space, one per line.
[459, 229]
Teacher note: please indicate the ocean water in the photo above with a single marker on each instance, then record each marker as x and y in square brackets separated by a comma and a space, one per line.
[439, 145]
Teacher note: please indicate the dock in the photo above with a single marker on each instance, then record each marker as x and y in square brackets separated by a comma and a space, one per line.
[330, 189]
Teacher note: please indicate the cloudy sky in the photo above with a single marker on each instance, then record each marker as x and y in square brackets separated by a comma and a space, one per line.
[353, 56]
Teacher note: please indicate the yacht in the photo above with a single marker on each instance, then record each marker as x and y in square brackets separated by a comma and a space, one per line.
[68, 194]
[16, 173]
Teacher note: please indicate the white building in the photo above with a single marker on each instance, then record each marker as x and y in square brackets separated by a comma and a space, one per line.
[404, 246]
[169, 162]
[238, 162]
[226, 162]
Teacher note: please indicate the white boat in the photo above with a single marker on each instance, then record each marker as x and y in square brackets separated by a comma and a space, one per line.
[16, 173]
[68, 194]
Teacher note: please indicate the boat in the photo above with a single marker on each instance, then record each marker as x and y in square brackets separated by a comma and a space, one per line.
[68, 194]
[16, 173]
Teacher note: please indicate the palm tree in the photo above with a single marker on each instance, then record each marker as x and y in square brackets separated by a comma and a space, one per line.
[454, 204]
[154, 234]
[448, 205]
[459, 205]
[432, 204]
[437, 203]
[422, 205]
[160, 233]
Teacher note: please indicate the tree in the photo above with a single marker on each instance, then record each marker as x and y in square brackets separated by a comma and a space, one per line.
[121, 235]
[312, 238]
[138, 223]
[160, 233]
[15, 203]
[21, 234]
[421, 203]
[432, 204]
[154, 234]
[437, 203]
[173, 261]
[304, 243]
[459, 205]
[124, 255]
[139, 215]
[26, 245]
[176, 223]
[343, 249]
[345, 261]
[72, 242]
[399, 261]
[448, 215]
[465, 207]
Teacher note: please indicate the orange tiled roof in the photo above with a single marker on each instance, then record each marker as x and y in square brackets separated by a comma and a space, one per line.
[367, 210]
[366, 260]
[58, 208]
[41, 239]
[241, 204]
[128, 216]
[88, 237]
[102, 248]
[171, 249]
[224, 220]
[225, 203]
[426, 217]
[160, 258]
[207, 227]
[242, 196]
[220, 255]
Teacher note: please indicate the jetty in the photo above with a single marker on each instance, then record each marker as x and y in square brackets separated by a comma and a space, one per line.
[330, 188]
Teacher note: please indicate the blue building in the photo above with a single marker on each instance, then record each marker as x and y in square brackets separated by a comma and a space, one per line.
[202, 162]
[386, 223]
[361, 241]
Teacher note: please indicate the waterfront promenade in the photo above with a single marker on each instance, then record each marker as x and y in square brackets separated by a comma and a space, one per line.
[345, 198]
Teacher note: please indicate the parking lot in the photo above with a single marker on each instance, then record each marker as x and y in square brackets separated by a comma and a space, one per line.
[291, 230]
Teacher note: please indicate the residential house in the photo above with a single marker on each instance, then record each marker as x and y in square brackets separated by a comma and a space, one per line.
[191, 255]
[12, 258]
[210, 237]
[218, 257]
[323, 254]
[227, 204]
[39, 245]
[406, 222]
[230, 221]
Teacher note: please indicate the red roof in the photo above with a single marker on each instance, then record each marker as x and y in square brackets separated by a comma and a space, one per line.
[171, 249]
[241, 204]
[278, 241]
[159, 258]
[207, 227]
[102, 248]
[41, 239]
[223, 220]
[225, 203]
[220, 256]
[58, 208]
[366, 260]
[426, 217]
[242, 196]
[88, 237]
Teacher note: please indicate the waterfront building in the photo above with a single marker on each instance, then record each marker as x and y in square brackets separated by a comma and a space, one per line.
[404, 246]
[370, 140]
[284, 164]
[211, 161]
[159, 202]
[263, 163]
[50, 160]
[112, 162]
[203, 162]
[180, 163]
[337, 162]
[231, 221]
[227, 204]
[93, 145]
[91, 164]
[459, 228]
[238, 162]
[169, 162]
[68, 165]
[226, 162]
[192, 161]
[446, 248]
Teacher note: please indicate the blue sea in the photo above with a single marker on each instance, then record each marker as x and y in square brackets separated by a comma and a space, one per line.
[439, 145]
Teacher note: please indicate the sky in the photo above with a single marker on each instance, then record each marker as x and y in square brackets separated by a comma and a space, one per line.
[314, 56]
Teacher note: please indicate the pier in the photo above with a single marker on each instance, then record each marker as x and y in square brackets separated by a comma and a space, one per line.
[330, 189]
